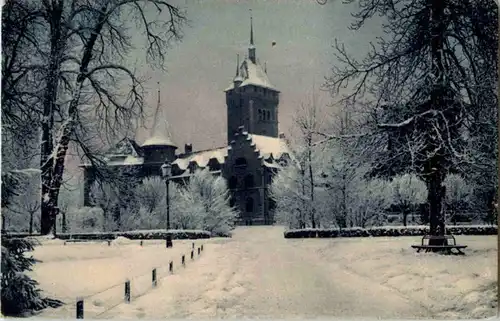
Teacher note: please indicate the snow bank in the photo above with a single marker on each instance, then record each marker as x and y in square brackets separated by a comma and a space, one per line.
[389, 231]
[449, 286]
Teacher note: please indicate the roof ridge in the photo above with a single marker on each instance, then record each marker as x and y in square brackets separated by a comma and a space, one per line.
[203, 150]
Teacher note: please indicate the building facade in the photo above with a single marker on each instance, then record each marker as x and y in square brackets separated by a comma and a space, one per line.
[254, 151]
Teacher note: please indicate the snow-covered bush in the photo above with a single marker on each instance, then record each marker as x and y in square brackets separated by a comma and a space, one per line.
[370, 199]
[204, 204]
[408, 191]
[458, 198]
[86, 219]
[389, 231]
[289, 197]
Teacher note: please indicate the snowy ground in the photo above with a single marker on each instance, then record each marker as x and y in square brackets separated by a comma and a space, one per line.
[258, 273]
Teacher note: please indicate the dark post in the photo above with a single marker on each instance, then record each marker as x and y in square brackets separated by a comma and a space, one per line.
[127, 291]
[192, 254]
[166, 170]
[141, 242]
[79, 309]
[193, 246]
[183, 260]
[31, 222]
[171, 267]
[202, 247]
[199, 251]
[64, 223]
[154, 278]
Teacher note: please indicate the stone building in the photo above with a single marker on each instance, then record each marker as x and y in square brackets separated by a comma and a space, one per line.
[253, 153]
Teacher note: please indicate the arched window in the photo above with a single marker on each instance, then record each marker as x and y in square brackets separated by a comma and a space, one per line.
[249, 183]
[268, 115]
[249, 205]
[233, 182]
[260, 114]
[240, 162]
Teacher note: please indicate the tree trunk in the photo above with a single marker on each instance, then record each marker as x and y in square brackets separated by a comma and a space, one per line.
[311, 181]
[57, 42]
[434, 169]
[405, 218]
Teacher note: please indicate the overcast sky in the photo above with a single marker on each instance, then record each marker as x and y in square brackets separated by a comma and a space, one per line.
[204, 63]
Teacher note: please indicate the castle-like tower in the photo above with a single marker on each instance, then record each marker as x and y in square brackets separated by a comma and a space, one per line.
[252, 102]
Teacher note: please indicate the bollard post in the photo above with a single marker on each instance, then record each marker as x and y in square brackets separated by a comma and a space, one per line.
[171, 267]
[192, 254]
[183, 260]
[202, 247]
[127, 291]
[155, 282]
[79, 309]
[109, 243]
[199, 250]
[193, 246]
[141, 242]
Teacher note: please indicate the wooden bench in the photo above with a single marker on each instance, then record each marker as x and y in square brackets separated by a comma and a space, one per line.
[446, 247]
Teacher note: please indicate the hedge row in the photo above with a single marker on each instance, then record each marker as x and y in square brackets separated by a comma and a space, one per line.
[134, 235]
[389, 231]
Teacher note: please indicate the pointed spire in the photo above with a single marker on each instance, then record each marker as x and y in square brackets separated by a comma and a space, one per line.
[251, 49]
[155, 119]
[237, 65]
[251, 28]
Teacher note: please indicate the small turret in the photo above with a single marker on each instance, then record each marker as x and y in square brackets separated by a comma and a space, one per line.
[237, 79]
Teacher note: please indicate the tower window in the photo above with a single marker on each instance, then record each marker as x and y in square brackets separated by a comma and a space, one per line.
[260, 114]
[268, 115]
[240, 162]
[249, 182]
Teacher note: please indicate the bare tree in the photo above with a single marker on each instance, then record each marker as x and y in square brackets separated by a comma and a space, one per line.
[88, 90]
[408, 191]
[309, 122]
[427, 71]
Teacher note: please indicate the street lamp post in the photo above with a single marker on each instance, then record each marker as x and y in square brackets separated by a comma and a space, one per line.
[166, 172]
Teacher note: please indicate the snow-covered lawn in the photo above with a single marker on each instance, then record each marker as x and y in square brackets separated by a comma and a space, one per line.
[258, 273]
[91, 269]
[449, 286]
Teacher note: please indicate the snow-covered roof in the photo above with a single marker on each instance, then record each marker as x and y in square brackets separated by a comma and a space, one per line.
[124, 161]
[270, 146]
[201, 158]
[253, 74]
[158, 141]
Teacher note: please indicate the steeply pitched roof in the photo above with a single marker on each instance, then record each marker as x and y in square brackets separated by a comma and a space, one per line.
[125, 147]
[253, 74]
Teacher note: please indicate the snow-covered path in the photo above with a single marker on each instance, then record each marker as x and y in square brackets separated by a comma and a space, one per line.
[258, 273]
